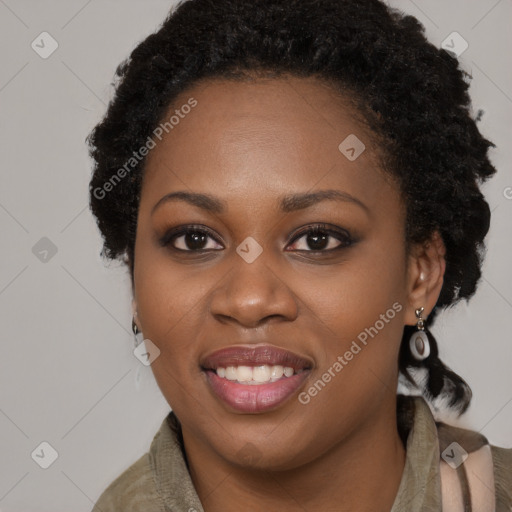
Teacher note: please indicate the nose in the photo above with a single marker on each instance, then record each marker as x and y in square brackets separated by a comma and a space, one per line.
[252, 294]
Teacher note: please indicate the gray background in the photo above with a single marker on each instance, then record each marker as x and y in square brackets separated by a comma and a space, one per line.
[67, 372]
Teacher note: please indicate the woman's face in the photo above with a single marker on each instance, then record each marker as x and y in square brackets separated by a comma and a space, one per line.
[253, 162]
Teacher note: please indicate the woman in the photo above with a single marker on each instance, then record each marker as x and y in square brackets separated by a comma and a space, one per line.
[294, 187]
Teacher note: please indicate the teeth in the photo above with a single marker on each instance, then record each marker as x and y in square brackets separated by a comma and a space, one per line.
[255, 374]
[277, 372]
[261, 373]
[231, 373]
[244, 373]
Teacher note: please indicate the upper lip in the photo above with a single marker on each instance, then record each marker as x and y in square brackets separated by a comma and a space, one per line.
[254, 355]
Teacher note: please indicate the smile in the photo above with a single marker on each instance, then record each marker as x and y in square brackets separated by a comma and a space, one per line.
[255, 379]
[254, 375]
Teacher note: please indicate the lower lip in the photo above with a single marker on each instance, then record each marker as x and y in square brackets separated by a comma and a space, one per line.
[258, 397]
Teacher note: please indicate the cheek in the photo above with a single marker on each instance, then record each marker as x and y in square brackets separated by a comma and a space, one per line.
[170, 308]
[361, 305]
[170, 304]
[351, 296]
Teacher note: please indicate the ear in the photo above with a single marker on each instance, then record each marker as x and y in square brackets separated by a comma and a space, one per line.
[425, 276]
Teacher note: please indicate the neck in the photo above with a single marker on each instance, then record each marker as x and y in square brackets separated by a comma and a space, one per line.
[362, 472]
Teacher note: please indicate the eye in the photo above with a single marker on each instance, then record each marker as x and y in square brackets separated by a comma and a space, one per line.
[322, 238]
[192, 238]
[197, 238]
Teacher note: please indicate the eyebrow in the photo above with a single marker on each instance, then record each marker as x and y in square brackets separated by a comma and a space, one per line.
[287, 204]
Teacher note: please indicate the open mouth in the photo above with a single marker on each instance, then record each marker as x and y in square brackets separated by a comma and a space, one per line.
[254, 375]
[255, 379]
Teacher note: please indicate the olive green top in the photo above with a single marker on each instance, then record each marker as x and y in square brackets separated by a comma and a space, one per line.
[159, 481]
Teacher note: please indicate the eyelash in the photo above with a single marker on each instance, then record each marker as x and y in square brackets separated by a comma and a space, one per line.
[341, 235]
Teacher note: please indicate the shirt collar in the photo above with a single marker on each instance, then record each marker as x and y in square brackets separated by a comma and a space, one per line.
[169, 468]
[420, 486]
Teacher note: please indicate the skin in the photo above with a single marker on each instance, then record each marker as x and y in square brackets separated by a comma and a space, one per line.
[249, 143]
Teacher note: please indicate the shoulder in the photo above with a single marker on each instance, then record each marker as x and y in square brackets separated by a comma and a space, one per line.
[502, 459]
[132, 491]
[465, 445]
[158, 481]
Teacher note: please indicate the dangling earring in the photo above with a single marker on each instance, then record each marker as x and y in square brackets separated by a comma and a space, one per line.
[138, 336]
[418, 343]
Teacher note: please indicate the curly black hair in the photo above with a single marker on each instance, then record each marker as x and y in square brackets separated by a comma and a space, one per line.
[411, 94]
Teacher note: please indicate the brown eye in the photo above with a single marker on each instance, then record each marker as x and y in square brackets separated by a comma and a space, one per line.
[190, 239]
[322, 238]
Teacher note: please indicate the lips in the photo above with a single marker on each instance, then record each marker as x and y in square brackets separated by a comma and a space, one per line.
[254, 356]
[230, 373]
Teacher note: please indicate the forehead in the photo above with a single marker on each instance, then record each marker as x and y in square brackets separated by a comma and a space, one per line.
[272, 134]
